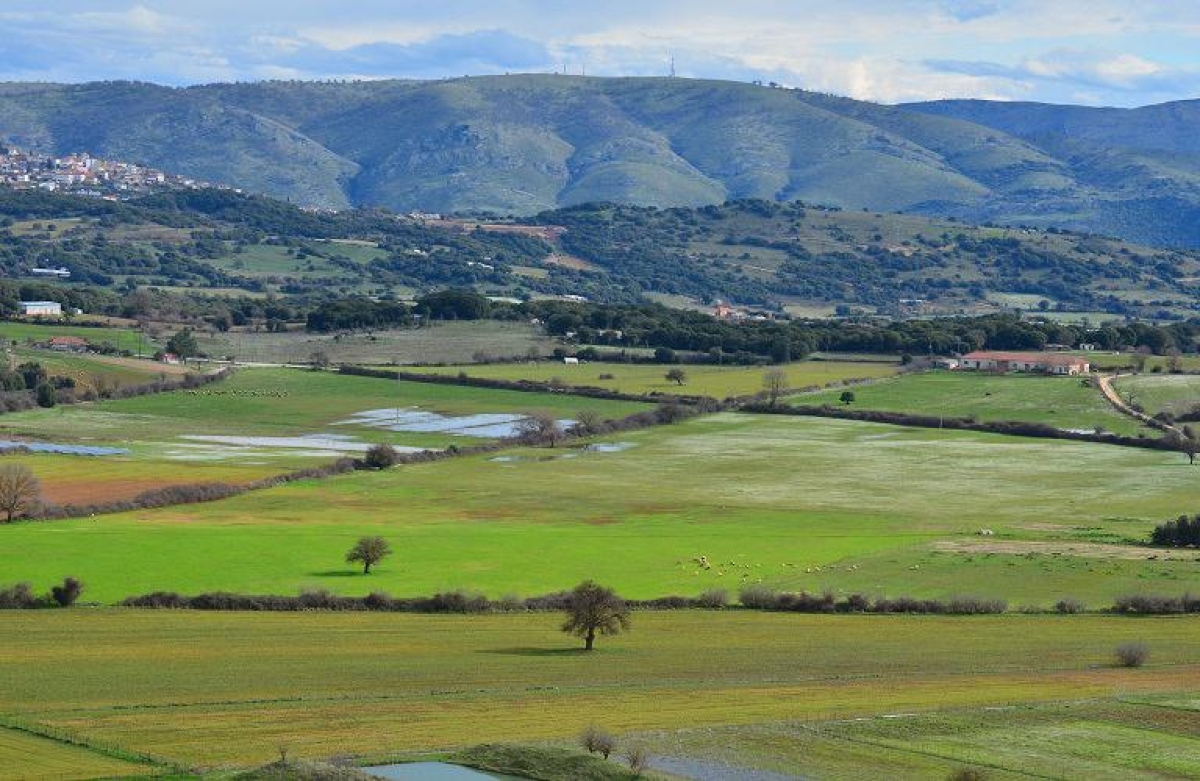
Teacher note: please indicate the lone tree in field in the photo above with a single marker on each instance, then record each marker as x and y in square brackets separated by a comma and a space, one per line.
[19, 490]
[370, 551]
[593, 609]
[847, 397]
[183, 344]
[775, 384]
[677, 376]
[539, 427]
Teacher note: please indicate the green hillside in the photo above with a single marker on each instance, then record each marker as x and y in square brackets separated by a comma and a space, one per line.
[793, 257]
[525, 143]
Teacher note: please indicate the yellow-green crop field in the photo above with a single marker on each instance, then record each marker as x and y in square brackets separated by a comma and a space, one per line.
[219, 690]
[703, 380]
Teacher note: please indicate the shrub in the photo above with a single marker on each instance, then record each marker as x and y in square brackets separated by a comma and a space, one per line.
[1131, 654]
[66, 594]
[713, 598]
[17, 597]
[968, 774]
[1069, 606]
[381, 456]
[597, 741]
[638, 760]
[759, 598]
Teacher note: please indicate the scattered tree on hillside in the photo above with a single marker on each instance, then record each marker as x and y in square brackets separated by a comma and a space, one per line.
[540, 427]
[369, 551]
[593, 609]
[183, 344]
[775, 384]
[847, 397]
[46, 396]
[677, 376]
[19, 490]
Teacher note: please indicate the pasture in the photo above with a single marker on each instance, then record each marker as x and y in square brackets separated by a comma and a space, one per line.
[257, 423]
[704, 380]
[27, 332]
[1174, 393]
[796, 503]
[99, 371]
[228, 689]
[442, 342]
[1065, 402]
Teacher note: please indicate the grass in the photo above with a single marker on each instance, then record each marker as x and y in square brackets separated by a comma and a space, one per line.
[26, 755]
[98, 371]
[1065, 402]
[285, 402]
[449, 342]
[794, 502]
[1175, 393]
[715, 381]
[121, 338]
[228, 689]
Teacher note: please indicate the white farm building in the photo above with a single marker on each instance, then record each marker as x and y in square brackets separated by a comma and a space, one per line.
[41, 309]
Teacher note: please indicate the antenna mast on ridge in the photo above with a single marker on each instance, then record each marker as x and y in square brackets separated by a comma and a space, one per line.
[672, 66]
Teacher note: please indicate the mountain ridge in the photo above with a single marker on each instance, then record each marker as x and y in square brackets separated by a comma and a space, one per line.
[526, 143]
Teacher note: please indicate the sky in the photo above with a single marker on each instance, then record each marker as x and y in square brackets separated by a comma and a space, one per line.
[1094, 52]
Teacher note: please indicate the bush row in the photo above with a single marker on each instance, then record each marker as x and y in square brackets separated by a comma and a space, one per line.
[1014, 428]
[1157, 604]
[763, 598]
[1179, 533]
[444, 602]
[20, 596]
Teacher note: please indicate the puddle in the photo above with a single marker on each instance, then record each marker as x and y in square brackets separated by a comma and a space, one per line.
[212, 447]
[53, 447]
[488, 425]
[609, 447]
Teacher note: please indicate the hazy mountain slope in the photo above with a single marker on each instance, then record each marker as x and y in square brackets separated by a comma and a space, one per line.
[526, 143]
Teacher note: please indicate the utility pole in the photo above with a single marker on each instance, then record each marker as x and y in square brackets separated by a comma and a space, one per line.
[672, 66]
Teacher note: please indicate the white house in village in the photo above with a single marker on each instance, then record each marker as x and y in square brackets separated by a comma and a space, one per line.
[1050, 363]
[41, 309]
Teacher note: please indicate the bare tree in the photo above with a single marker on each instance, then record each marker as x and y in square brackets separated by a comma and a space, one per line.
[20, 491]
[593, 609]
[775, 384]
[677, 376]
[586, 422]
[597, 741]
[369, 550]
[538, 427]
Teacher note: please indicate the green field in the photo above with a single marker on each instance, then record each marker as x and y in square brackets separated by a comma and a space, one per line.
[716, 381]
[1065, 402]
[1174, 393]
[449, 342]
[798, 503]
[121, 338]
[230, 689]
[98, 371]
[286, 402]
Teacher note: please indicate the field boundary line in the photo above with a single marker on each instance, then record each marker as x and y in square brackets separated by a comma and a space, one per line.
[65, 738]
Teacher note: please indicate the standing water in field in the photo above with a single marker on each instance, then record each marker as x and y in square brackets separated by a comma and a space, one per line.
[68, 450]
[488, 425]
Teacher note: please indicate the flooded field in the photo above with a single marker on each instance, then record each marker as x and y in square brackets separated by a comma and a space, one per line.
[488, 425]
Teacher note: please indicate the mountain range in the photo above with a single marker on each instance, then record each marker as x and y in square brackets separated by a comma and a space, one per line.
[522, 144]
